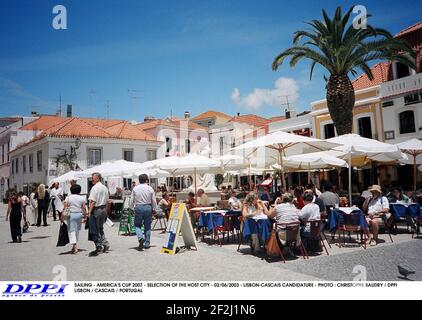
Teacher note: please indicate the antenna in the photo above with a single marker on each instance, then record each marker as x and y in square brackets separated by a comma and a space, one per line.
[60, 104]
[108, 109]
[287, 104]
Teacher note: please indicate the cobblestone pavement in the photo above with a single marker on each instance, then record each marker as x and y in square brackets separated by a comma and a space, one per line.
[38, 257]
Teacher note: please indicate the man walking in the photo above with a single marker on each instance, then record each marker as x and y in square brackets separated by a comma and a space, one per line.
[143, 202]
[98, 199]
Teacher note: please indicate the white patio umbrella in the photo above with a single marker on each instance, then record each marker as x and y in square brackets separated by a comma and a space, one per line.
[353, 145]
[113, 169]
[412, 147]
[287, 144]
[67, 177]
[192, 163]
[315, 160]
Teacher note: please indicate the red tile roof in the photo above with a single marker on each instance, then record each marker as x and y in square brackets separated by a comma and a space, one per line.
[277, 118]
[211, 114]
[251, 119]
[175, 123]
[413, 28]
[86, 128]
[43, 123]
[381, 75]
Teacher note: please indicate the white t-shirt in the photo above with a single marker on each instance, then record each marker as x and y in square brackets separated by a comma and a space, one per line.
[376, 205]
[75, 202]
[99, 194]
[56, 192]
[310, 212]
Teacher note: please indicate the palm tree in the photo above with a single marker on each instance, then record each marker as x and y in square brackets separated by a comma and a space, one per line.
[341, 49]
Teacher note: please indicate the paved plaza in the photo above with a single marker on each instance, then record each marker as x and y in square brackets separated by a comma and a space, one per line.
[37, 257]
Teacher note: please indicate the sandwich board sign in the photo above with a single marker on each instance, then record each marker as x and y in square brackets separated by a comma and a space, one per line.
[178, 222]
[126, 222]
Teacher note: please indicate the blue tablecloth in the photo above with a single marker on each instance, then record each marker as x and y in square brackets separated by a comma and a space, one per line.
[400, 210]
[336, 218]
[212, 219]
[262, 227]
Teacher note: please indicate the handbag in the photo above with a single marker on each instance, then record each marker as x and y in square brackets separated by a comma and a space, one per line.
[272, 246]
[63, 235]
[66, 213]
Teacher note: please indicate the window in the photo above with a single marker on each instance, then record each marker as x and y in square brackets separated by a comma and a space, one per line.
[31, 163]
[402, 70]
[388, 104]
[329, 131]
[151, 155]
[17, 165]
[389, 135]
[209, 123]
[39, 160]
[8, 149]
[168, 144]
[187, 146]
[2, 153]
[407, 122]
[233, 144]
[13, 168]
[364, 125]
[94, 157]
[221, 146]
[412, 98]
[128, 155]
[24, 164]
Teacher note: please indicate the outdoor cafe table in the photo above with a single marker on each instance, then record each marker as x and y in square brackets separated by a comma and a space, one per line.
[215, 218]
[260, 225]
[336, 215]
[401, 210]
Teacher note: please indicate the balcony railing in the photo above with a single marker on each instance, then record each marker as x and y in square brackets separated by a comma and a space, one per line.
[401, 86]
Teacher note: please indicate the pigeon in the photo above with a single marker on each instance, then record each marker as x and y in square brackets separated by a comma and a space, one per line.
[404, 272]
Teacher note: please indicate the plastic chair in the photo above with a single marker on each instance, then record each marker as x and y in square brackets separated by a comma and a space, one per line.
[160, 217]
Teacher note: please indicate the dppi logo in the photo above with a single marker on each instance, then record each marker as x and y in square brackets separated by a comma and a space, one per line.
[43, 290]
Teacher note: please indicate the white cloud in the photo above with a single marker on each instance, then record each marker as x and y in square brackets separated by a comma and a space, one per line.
[268, 97]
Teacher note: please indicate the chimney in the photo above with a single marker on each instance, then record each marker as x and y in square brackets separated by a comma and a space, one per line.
[187, 115]
[34, 113]
[238, 114]
[69, 111]
[290, 113]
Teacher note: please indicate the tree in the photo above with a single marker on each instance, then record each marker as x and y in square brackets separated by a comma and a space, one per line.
[341, 49]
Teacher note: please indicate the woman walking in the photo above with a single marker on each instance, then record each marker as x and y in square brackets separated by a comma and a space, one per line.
[77, 208]
[14, 214]
[43, 199]
[33, 207]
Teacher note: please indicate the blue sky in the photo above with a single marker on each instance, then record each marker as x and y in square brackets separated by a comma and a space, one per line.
[163, 56]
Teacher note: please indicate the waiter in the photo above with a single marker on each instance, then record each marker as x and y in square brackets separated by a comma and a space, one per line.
[144, 203]
[98, 199]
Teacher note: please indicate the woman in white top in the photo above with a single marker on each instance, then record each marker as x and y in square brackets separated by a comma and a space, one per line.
[234, 202]
[33, 207]
[77, 208]
[252, 206]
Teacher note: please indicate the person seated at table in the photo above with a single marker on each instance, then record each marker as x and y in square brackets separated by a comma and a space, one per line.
[317, 200]
[398, 195]
[330, 198]
[344, 202]
[310, 211]
[119, 193]
[234, 202]
[164, 206]
[202, 199]
[266, 195]
[376, 209]
[190, 201]
[298, 192]
[252, 207]
[284, 213]
[159, 193]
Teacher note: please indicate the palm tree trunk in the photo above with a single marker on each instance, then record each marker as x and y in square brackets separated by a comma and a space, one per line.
[340, 101]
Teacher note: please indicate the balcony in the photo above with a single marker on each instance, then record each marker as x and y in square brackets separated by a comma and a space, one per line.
[401, 86]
